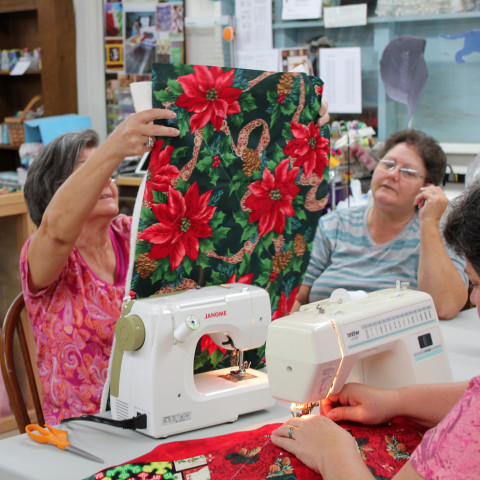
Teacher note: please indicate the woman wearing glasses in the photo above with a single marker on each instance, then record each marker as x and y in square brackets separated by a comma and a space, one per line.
[397, 237]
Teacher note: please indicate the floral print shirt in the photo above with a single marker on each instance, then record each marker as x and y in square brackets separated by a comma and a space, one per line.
[452, 448]
[73, 322]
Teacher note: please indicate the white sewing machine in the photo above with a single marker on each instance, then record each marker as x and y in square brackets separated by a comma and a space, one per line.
[389, 338]
[153, 363]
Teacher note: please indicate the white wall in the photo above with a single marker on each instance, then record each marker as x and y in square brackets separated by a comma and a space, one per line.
[89, 20]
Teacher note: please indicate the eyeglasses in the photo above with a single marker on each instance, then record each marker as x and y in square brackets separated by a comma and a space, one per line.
[114, 177]
[390, 165]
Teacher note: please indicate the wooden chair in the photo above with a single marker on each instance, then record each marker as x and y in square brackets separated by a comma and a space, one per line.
[19, 401]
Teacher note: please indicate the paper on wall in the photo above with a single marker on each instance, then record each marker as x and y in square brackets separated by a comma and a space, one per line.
[341, 70]
[253, 28]
[301, 9]
[346, 16]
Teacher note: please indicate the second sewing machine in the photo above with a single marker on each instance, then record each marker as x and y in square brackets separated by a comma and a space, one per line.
[387, 339]
[153, 359]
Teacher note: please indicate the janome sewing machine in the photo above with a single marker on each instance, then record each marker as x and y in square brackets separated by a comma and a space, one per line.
[153, 361]
[389, 338]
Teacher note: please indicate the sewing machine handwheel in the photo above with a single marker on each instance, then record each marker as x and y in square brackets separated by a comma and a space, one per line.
[130, 332]
[129, 335]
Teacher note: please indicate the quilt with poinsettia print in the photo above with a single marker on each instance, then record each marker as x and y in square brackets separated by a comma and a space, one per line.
[251, 455]
[237, 196]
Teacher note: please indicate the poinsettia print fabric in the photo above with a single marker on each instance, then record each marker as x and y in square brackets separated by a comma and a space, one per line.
[251, 455]
[237, 196]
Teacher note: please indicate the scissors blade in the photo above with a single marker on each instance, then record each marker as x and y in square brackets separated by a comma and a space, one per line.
[83, 453]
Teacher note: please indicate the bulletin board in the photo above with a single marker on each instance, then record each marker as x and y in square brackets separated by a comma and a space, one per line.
[137, 34]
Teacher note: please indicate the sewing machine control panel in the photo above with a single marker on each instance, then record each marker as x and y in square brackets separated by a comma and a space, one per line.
[371, 329]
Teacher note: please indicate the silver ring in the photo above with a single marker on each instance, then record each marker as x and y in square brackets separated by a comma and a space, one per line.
[150, 143]
[434, 192]
[290, 433]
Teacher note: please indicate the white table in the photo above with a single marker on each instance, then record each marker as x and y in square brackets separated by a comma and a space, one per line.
[23, 459]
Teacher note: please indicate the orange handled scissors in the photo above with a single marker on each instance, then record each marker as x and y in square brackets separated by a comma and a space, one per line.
[56, 437]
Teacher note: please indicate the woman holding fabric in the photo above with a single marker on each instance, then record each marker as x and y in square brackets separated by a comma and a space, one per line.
[397, 237]
[73, 268]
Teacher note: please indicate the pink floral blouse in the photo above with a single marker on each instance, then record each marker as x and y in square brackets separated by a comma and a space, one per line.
[452, 449]
[73, 323]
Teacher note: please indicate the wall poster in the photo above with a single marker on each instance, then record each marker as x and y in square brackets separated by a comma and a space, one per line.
[138, 33]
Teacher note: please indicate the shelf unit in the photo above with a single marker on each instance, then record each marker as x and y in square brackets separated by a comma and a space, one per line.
[50, 25]
[447, 105]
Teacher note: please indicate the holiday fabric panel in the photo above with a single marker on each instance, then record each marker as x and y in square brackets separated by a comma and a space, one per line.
[237, 196]
[251, 455]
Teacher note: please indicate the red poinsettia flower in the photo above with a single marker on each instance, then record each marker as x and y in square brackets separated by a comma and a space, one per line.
[271, 198]
[209, 94]
[243, 279]
[309, 148]
[161, 172]
[181, 222]
[207, 342]
[319, 90]
[285, 305]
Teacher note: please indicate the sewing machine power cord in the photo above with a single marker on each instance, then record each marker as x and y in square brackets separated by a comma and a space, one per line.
[138, 422]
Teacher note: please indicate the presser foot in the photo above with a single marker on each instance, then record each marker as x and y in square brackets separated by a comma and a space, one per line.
[234, 377]
[238, 373]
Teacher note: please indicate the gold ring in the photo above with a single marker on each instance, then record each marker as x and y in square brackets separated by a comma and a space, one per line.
[290, 433]
[150, 143]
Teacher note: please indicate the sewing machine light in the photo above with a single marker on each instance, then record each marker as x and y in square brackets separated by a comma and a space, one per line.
[301, 409]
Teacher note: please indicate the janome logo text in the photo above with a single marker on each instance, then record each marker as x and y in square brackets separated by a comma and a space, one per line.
[221, 313]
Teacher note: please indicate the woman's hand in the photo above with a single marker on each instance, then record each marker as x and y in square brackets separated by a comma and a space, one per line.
[130, 137]
[432, 202]
[361, 403]
[323, 446]
[324, 115]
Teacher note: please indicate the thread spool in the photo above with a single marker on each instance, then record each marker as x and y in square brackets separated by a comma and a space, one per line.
[184, 330]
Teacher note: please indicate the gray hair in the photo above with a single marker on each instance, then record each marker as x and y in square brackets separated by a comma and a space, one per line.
[427, 147]
[52, 166]
[462, 226]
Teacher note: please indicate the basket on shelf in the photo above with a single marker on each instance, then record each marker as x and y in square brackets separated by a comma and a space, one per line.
[15, 125]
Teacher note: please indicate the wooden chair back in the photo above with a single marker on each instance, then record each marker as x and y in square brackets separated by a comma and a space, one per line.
[12, 328]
